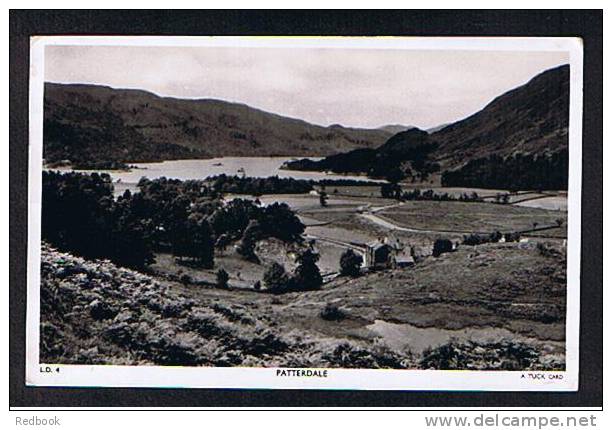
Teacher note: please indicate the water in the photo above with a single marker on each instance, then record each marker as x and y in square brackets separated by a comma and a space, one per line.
[259, 167]
[416, 339]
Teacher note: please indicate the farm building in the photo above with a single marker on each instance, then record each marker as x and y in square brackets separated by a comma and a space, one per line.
[387, 253]
[378, 254]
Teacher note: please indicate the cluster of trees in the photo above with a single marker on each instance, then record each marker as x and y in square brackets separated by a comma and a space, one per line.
[478, 239]
[394, 191]
[185, 218]
[80, 215]
[259, 186]
[517, 172]
[344, 183]
[305, 277]
[446, 197]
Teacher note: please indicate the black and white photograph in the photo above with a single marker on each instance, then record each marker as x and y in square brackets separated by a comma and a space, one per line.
[277, 212]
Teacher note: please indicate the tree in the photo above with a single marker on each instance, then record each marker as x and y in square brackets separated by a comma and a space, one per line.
[222, 278]
[203, 241]
[323, 198]
[350, 263]
[278, 220]
[275, 278]
[193, 238]
[307, 275]
[79, 215]
[390, 191]
[251, 235]
[442, 246]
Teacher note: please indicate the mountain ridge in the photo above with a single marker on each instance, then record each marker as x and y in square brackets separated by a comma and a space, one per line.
[81, 120]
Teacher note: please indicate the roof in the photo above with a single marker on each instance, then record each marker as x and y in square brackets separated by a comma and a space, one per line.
[377, 244]
[404, 259]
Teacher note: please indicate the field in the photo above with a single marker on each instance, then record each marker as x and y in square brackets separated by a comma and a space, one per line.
[470, 217]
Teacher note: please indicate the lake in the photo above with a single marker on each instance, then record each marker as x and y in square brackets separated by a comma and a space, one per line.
[259, 167]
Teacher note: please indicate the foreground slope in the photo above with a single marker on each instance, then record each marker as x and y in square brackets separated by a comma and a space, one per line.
[498, 306]
[89, 121]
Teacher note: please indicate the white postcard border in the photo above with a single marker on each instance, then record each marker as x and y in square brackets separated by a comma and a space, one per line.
[41, 374]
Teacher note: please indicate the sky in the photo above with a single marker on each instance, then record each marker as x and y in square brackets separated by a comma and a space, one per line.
[353, 87]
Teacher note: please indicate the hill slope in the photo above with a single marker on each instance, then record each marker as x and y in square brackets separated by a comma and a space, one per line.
[85, 122]
[531, 119]
[519, 139]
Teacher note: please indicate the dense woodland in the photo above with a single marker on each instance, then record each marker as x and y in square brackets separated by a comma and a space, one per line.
[517, 172]
[405, 155]
[185, 218]
[108, 147]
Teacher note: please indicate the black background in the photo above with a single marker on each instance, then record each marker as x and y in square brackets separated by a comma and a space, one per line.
[585, 24]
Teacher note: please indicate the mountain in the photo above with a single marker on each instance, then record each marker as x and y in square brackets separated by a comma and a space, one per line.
[436, 128]
[399, 156]
[92, 123]
[519, 139]
[395, 128]
[531, 119]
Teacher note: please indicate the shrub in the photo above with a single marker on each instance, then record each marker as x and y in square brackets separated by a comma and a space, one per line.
[442, 246]
[307, 275]
[100, 310]
[475, 239]
[222, 278]
[546, 250]
[495, 236]
[350, 263]
[349, 355]
[275, 278]
[463, 355]
[185, 279]
[512, 237]
[332, 313]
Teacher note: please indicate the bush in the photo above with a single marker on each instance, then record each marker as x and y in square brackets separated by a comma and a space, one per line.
[350, 263]
[222, 278]
[512, 237]
[351, 356]
[307, 275]
[185, 279]
[547, 250]
[442, 246]
[468, 355]
[275, 278]
[495, 237]
[475, 239]
[332, 313]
